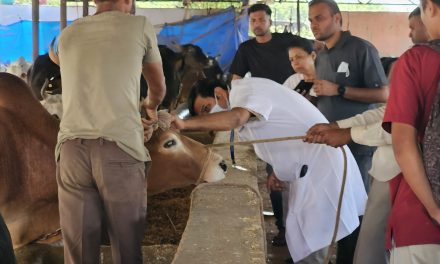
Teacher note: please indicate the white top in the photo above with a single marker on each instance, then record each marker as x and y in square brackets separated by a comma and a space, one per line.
[366, 129]
[294, 80]
[313, 198]
[101, 59]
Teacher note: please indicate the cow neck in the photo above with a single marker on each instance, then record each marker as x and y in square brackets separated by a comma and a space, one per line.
[24, 107]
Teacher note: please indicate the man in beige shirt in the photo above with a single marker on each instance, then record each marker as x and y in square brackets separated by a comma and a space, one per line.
[366, 129]
[100, 151]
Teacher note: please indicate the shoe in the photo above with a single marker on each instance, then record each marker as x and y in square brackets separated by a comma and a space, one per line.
[280, 239]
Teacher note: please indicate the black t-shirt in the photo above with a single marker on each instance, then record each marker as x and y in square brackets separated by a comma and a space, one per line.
[266, 60]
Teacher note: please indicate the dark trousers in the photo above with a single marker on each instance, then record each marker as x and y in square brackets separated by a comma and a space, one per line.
[347, 245]
[6, 250]
[276, 199]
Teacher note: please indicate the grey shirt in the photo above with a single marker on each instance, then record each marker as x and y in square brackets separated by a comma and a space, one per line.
[351, 62]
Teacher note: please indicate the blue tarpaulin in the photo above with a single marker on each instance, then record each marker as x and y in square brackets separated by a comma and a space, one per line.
[16, 39]
[219, 34]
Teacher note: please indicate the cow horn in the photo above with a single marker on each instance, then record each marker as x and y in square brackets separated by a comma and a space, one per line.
[52, 54]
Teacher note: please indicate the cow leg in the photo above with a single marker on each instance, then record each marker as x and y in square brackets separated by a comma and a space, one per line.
[121, 182]
[79, 203]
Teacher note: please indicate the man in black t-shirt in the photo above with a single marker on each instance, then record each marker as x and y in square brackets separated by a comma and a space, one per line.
[265, 55]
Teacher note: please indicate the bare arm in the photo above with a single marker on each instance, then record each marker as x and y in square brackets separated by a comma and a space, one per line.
[409, 158]
[366, 95]
[153, 74]
[222, 121]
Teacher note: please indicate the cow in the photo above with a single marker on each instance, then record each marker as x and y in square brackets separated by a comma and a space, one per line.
[19, 68]
[197, 66]
[40, 72]
[28, 188]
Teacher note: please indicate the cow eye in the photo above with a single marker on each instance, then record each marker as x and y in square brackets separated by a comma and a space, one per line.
[170, 143]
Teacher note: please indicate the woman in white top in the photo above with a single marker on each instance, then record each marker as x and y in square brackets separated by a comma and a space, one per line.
[302, 58]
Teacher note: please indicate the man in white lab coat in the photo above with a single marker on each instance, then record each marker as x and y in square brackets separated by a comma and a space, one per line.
[261, 109]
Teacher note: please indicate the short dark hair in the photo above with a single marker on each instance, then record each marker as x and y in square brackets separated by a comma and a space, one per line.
[260, 7]
[204, 88]
[334, 8]
[437, 2]
[332, 5]
[415, 13]
[301, 43]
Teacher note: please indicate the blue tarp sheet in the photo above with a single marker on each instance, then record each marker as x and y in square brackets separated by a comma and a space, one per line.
[218, 35]
[16, 39]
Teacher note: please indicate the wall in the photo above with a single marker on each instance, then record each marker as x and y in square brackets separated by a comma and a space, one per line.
[388, 32]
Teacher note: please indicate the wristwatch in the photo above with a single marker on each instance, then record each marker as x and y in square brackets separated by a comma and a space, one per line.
[341, 90]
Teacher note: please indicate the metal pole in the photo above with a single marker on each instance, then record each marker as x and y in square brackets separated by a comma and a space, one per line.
[35, 20]
[63, 14]
[85, 8]
[298, 18]
[133, 8]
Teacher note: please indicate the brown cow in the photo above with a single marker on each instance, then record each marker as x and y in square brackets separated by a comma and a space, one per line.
[28, 189]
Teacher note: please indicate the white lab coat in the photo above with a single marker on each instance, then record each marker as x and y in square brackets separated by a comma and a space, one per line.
[313, 198]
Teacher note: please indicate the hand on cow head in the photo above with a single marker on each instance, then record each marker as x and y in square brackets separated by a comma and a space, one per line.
[179, 161]
[177, 123]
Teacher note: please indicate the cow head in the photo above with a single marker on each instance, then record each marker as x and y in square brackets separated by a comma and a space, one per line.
[180, 160]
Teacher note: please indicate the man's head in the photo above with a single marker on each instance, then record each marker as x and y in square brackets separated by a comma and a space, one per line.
[430, 14]
[259, 19]
[205, 94]
[417, 33]
[125, 6]
[302, 56]
[325, 18]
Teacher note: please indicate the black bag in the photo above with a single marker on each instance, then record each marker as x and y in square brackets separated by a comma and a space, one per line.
[431, 141]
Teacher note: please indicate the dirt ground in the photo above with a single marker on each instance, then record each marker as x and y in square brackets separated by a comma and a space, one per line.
[167, 214]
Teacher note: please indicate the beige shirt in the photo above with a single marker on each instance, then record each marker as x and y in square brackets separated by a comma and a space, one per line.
[101, 60]
[366, 129]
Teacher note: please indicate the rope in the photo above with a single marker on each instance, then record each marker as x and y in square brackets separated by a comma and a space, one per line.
[341, 193]
[250, 142]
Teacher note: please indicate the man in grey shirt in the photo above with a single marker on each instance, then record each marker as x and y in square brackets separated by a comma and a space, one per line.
[350, 77]
[349, 80]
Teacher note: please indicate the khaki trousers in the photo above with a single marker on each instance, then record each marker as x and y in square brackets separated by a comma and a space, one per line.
[100, 183]
[419, 254]
[370, 247]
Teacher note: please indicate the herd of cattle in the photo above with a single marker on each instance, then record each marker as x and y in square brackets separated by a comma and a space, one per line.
[28, 134]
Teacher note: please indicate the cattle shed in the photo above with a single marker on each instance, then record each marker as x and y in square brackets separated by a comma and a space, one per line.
[225, 223]
[381, 22]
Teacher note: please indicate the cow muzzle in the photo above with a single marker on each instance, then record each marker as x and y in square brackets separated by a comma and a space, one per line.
[214, 168]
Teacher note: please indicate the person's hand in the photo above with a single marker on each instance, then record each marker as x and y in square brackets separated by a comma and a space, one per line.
[151, 110]
[273, 184]
[148, 126]
[436, 217]
[177, 123]
[313, 134]
[325, 88]
[335, 137]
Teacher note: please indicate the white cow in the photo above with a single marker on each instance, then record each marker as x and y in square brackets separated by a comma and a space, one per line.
[19, 68]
